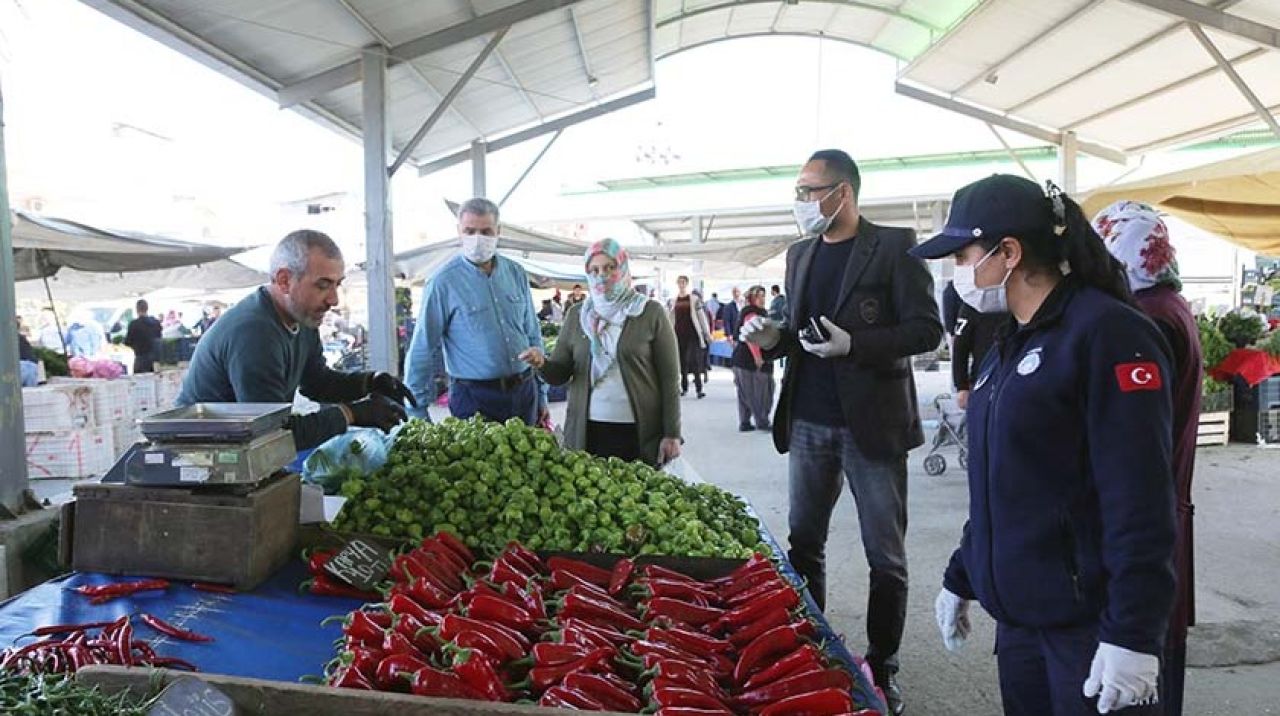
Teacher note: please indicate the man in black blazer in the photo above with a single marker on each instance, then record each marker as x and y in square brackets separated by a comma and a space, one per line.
[875, 308]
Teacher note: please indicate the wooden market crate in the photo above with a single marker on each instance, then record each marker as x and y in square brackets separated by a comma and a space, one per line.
[259, 696]
[1215, 429]
[194, 534]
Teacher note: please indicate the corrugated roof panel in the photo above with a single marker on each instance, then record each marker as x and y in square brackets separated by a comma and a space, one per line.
[403, 20]
[1204, 102]
[751, 18]
[902, 38]
[702, 28]
[1266, 12]
[812, 18]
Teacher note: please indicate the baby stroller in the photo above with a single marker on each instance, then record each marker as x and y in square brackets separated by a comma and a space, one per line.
[951, 431]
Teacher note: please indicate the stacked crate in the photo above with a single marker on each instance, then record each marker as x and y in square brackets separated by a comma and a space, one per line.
[63, 436]
[168, 385]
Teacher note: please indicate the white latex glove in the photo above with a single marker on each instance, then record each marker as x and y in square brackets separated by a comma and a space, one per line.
[760, 331]
[1121, 678]
[953, 619]
[837, 347]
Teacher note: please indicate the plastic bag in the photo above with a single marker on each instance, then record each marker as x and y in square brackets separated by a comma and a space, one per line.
[684, 470]
[355, 453]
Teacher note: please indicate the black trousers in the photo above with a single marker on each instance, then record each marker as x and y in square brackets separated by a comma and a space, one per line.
[620, 440]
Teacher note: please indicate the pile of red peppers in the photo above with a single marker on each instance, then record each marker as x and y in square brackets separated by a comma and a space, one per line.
[563, 633]
[64, 648]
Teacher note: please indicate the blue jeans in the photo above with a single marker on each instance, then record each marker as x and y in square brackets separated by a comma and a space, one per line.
[467, 399]
[1042, 672]
[28, 373]
[822, 458]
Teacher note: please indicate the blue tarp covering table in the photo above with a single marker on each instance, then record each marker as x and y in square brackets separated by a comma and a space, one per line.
[270, 633]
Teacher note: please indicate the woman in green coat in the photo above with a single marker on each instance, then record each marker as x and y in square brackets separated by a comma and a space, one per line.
[617, 351]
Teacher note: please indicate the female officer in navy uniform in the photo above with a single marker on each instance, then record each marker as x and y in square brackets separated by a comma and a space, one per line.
[1069, 542]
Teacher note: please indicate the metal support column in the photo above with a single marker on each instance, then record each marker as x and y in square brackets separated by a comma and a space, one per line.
[695, 234]
[384, 348]
[13, 450]
[479, 185]
[1067, 154]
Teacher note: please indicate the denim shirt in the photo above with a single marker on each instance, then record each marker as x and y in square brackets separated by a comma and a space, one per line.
[473, 326]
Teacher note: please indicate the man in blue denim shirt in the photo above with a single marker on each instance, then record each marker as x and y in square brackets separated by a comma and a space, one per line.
[478, 325]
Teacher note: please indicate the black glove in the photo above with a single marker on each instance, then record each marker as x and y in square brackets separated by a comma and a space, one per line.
[390, 386]
[377, 411]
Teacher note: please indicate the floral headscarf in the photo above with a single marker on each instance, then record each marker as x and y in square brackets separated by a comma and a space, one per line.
[1136, 235]
[610, 301]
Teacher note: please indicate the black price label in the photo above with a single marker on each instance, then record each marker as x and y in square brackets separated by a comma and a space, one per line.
[189, 696]
[360, 564]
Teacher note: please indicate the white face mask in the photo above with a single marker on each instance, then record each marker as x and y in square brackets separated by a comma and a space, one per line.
[809, 216]
[983, 299]
[478, 248]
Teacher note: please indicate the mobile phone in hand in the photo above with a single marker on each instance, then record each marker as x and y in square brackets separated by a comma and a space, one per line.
[814, 332]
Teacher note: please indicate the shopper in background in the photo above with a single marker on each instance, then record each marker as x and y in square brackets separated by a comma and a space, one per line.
[1069, 542]
[28, 363]
[753, 373]
[478, 326]
[731, 315]
[618, 353]
[778, 306]
[1135, 234]
[85, 337]
[144, 338]
[713, 308]
[693, 335]
[975, 333]
[848, 410]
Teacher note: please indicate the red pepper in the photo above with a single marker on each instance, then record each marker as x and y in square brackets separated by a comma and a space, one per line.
[404, 605]
[456, 545]
[512, 643]
[650, 588]
[215, 588]
[362, 627]
[775, 618]
[528, 557]
[750, 580]
[681, 611]
[546, 653]
[429, 594]
[504, 571]
[794, 685]
[170, 662]
[477, 588]
[123, 644]
[679, 696]
[620, 576]
[597, 594]
[643, 647]
[775, 642]
[476, 641]
[786, 597]
[325, 586]
[391, 672]
[562, 580]
[444, 573]
[806, 658]
[418, 634]
[676, 672]
[542, 678]
[428, 681]
[317, 560]
[589, 572]
[68, 628]
[757, 560]
[654, 571]
[690, 641]
[394, 643]
[106, 592]
[496, 609]
[478, 673]
[456, 564]
[565, 698]
[170, 630]
[825, 702]
[604, 690]
[579, 636]
[691, 711]
[364, 660]
[771, 582]
[528, 599]
[404, 569]
[579, 605]
[350, 678]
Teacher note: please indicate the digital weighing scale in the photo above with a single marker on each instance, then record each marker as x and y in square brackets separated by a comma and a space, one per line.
[226, 444]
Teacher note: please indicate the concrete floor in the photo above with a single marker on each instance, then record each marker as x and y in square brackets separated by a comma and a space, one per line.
[1237, 495]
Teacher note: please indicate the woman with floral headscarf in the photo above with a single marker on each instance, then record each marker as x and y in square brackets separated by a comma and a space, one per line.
[617, 352]
[1136, 235]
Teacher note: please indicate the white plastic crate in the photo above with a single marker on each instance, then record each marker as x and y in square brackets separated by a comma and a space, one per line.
[168, 386]
[112, 399]
[87, 452]
[57, 407]
[143, 391]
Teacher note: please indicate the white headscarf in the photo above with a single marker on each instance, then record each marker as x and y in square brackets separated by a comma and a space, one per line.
[1136, 235]
[610, 302]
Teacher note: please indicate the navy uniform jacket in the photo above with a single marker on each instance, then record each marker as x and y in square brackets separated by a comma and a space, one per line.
[1071, 512]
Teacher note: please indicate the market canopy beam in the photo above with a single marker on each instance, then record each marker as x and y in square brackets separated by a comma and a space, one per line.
[349, 72]
[1197, 14]
[1236, 79]
[1017, 125]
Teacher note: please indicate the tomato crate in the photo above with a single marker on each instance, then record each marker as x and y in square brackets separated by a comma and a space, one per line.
[194, 534]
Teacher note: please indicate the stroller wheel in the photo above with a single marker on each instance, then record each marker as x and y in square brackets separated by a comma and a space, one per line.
[935, 465]
[964, 461]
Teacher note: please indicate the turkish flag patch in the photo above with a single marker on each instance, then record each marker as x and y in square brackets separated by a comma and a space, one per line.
[1138, 376]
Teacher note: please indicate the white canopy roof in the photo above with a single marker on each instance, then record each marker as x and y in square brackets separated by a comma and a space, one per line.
[1127, 76]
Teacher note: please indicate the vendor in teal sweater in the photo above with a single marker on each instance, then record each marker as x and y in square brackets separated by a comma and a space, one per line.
[267, 347]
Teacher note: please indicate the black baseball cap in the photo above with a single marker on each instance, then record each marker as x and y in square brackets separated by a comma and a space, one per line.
[1000, 205]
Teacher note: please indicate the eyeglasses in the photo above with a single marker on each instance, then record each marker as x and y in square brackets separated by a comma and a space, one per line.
[804, 192]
